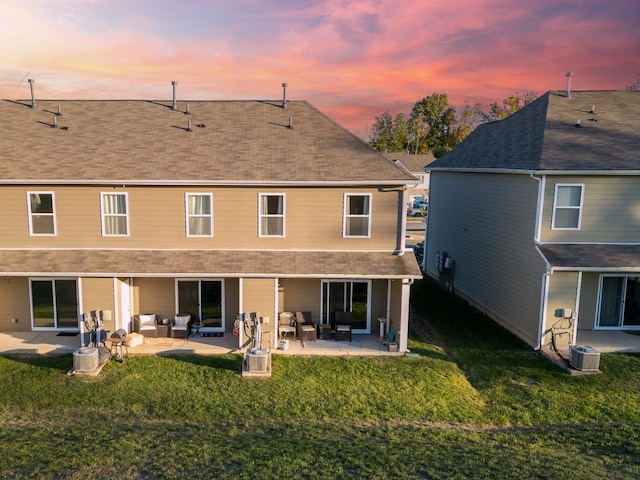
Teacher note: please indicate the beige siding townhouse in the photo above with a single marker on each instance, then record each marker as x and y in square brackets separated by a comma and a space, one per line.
[210, 208]
[539, 216]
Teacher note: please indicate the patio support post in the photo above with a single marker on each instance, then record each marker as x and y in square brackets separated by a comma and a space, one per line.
[404, 315]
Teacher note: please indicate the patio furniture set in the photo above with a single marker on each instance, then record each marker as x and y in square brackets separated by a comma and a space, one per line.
[149, 325]
[305, 330]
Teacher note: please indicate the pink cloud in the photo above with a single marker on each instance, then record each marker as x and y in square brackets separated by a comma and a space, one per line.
[354, 60]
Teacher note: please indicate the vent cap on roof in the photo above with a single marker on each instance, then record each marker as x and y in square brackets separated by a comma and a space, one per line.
[174, 105]
[284, 95]
[33, 98]
[569, 75]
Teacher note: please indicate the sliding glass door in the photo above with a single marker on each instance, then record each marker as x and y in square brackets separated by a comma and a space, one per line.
[619, 302]
[350, 296]
[204, 301]
[54, 303]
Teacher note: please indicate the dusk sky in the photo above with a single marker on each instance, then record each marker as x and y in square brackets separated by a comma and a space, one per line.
[353, 60]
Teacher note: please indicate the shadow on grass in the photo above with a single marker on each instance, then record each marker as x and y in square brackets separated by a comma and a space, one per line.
[474, 341]
[220, 362]
[62, 363]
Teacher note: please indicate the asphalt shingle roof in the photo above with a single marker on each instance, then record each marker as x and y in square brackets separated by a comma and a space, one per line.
[231, 142]
[597, 256]
[226, 263]
[414, 163]
[543, 136]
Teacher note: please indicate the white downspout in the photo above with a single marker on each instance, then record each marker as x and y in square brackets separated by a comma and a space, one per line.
[543, 305]
[542, 184]
[403, 226]
[549, 271]
[574, 334]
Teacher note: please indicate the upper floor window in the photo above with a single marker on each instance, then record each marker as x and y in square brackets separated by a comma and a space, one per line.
[357, 215]
[271, 215]
[42, 216]
[115, 217]
[199, 215]
[567, 208]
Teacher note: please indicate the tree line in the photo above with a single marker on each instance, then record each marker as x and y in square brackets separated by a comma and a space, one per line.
[435, 127]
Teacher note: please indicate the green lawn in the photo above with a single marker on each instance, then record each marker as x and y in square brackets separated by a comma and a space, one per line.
[476, 403]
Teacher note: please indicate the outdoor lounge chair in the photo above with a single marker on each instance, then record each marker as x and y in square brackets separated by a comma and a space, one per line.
[146, 325]
[181, 326]
[343, 326]
[305, 328]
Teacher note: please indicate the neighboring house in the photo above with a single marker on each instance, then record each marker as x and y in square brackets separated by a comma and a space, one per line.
[415, 164]
[211, 208]
[541, 212]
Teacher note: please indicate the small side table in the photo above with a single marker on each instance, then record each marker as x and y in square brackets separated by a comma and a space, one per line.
[324, 331]
[195, 328]
[163, 330]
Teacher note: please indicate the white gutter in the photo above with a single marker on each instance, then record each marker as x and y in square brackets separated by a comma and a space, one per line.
[575, 173]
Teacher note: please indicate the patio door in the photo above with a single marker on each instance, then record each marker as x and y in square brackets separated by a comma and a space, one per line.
[350, 296]
[619, 302]
[204, 301]
[54, 304]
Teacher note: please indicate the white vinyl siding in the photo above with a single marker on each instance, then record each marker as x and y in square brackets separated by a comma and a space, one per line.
[115, 217]
[199, 214]
[610, 210]
[567, 208]
[357, 215]
[42, 214]
[271, 215]
[485, 223]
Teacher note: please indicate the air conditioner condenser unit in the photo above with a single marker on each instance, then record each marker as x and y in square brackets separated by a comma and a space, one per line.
[584, 358]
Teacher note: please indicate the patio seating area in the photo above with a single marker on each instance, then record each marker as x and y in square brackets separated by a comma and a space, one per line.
[50, 343]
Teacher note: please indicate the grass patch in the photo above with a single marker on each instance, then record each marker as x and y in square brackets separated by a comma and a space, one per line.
[476, 403]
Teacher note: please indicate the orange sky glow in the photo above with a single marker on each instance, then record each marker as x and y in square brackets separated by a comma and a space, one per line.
[354, 60]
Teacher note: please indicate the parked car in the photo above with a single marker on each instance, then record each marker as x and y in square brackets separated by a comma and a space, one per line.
[415, 212]
[421, 204]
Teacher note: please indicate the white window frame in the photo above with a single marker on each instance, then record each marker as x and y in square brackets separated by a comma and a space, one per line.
[571, 207]
[56, 322]
[32, 214]
[104, 215]
[346, 215]
[264, 215]
[188, 215]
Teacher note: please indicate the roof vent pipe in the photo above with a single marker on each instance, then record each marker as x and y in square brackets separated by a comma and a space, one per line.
[187, 110]
[55, 122]
[569, 75]
[174, 105]
[290, 123]
[284, 95]
[59, 114]
[593, 109]
[33, 98]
